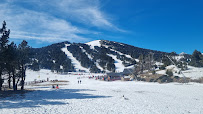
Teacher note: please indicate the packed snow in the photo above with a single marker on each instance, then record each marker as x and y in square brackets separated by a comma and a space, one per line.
[98, 66]
[75, 62]
[118, 63]
[126, 55]
[94, 43]
[88, 55]
[101, 97]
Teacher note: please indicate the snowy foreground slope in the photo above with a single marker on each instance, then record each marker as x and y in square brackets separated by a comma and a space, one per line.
[100, 97]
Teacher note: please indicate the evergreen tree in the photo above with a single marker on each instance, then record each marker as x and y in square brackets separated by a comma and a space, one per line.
[11, 62]
[3, 47]
[166, 61]
[197, 59]
[35, 65]
[23, 59]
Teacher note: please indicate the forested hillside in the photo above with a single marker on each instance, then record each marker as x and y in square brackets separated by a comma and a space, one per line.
[96, 56]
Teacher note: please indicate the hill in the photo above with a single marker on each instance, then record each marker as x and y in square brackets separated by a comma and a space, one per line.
[95, 56]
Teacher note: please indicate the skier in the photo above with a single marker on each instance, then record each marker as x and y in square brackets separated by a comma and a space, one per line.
[80, 81]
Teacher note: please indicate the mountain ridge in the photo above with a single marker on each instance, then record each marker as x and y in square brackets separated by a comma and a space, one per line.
[96, 56]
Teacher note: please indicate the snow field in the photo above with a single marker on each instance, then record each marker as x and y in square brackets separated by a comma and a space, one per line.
[192, 72]
[94, 96]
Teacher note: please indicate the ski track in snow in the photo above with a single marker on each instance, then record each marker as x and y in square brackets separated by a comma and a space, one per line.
[128, 56]
[118, 63]
[98, 66]
[100, 97]
[75, 62]
[119, 66]
[89, 56]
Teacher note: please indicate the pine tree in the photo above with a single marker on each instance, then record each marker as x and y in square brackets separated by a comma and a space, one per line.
[11, 61]
[3, 47]
[197, 59]
[23, 58]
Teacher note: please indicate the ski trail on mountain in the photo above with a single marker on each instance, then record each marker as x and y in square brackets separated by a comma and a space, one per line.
[74, 61]
[118, 63]
[92, 44]
[126, 55]
[89, 56]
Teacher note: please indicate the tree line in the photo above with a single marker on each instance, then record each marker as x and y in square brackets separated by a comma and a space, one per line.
[13, 60]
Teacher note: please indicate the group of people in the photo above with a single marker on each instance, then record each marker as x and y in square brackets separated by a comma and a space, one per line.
[57, 87]
[79, 81]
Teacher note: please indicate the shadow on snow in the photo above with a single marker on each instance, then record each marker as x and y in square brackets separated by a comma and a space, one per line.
[44, 97]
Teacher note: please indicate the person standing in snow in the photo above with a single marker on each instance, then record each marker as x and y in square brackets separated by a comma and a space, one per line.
[80, 81]
[57, 86]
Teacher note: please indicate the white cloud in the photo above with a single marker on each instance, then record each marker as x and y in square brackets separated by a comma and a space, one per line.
[87, 12]
[39, 26]
[52, 20]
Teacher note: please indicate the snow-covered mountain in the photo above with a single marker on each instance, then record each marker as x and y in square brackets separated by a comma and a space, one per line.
[94, 56]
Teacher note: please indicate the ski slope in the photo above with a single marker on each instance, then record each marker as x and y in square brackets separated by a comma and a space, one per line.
[94, 43]
[89, 56]
[118, 63]
[75, 62]
[100, 97]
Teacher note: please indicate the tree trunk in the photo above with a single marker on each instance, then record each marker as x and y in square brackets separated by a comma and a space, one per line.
[9, 80]
[17, 83]
[1, 80]
[14, 85]
[22, 77]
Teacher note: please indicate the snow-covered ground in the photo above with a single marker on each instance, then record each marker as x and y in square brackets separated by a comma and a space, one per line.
[118, 63]
[100, 97]
[192, 72]
[94, 43]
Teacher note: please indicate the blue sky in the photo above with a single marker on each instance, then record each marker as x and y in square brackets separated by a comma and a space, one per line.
[164, 25]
